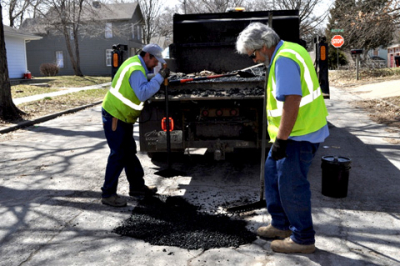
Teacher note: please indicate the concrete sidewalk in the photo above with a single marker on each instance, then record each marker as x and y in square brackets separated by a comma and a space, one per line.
[377, 90]
[51, 176]
[18, 101]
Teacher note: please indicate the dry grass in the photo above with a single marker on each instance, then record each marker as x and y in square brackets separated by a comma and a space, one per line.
[56, 104]
[383, 111]
[50, 84]
[348, 78]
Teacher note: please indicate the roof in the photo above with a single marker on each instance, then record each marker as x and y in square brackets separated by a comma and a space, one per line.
[394, 46]
[9, 31]
[121, 11]
[95, 12]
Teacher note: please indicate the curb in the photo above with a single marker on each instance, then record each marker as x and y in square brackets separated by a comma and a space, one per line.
[46, 118]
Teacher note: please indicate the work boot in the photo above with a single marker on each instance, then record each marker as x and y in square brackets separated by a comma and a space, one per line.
[288, 246]
[144, 190]
[114, 201]
[272, 232]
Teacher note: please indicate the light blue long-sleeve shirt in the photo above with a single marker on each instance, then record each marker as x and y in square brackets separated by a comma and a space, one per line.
[142, 87]
[288, 82]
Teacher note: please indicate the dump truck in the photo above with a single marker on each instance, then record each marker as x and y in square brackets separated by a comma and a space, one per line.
[214, 115]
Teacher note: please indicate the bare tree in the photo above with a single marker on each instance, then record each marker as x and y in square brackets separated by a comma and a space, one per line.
[65, 17]
[8, 110]
[366, 24]
[208, 6]
[16, 11]
[310, 22]
[151, 10]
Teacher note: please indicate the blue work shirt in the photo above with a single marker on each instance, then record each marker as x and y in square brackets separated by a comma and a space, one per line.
[142, 87]
[284, 68]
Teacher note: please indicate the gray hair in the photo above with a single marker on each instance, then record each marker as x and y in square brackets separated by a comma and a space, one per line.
[255, 36]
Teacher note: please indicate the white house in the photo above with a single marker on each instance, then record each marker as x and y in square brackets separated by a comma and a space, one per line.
[15, 41]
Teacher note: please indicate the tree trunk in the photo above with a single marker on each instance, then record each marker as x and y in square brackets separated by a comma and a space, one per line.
[8, 110]
[75, 64]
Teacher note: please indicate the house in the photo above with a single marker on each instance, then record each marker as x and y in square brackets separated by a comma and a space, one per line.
[393, 51]
[16, 41]
[379, 53]
[101, 28]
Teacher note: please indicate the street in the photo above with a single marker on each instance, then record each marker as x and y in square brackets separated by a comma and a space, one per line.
[51, 214]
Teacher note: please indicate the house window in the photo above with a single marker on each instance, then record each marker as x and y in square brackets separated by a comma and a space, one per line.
[60, 59]
[139, 32]
[108, 30]
[108, 57]
[136, 32]
[71, 33]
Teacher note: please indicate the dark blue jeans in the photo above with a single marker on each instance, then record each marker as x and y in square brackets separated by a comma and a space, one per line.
[122, 156]
[287, 191]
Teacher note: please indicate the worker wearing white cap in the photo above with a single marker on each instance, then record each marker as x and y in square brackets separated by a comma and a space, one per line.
[122, 106]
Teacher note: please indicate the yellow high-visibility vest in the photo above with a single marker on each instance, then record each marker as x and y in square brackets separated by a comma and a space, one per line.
[312, 113]
[121, 101]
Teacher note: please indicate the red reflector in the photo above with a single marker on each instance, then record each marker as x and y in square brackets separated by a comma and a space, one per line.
[164, 124]
[219, 112]
[205, 113]
[233, 112]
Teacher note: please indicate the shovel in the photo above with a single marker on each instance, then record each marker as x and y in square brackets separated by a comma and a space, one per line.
[242, 73]
[261, 203]
[169, 172]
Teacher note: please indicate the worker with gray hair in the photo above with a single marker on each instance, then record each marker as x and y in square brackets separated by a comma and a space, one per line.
[296, 115]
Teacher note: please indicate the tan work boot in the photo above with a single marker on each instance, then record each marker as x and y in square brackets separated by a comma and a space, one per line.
[115, 201]
[272, 232]
[288, 246]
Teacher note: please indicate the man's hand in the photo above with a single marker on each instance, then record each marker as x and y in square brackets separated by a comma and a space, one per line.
[164, 72]
[279, 149]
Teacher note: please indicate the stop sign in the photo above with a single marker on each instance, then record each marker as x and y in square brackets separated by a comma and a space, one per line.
[337, 41]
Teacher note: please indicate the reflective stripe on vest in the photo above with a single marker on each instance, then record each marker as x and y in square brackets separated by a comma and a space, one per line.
[122, 98]
[313, 94]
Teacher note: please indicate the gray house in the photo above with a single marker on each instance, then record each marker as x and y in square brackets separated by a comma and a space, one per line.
[107, 24]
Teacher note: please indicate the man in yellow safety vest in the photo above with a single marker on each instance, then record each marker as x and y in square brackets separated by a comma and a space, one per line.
[122, 105]
[297, 124]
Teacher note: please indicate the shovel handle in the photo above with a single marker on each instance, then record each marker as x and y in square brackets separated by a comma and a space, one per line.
[166, 79]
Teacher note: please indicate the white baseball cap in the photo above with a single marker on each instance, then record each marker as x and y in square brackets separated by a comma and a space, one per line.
[154, 50]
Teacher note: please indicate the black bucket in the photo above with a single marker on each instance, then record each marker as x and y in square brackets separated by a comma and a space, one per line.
[335, 176]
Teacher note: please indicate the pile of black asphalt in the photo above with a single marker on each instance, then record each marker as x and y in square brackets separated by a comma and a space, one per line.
[172, 221]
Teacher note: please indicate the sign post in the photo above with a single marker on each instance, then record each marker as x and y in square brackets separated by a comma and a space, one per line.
[337, 41]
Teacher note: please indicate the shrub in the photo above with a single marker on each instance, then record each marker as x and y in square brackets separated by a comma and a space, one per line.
[333, 57]
[49, 69]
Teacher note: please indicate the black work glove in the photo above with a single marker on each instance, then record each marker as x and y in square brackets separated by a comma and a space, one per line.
[164, 72]
[278, 150]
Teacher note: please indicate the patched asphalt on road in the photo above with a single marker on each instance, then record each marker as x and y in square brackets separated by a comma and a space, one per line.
[172, 221]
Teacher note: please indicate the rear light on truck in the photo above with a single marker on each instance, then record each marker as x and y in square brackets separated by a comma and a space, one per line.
[233, 112]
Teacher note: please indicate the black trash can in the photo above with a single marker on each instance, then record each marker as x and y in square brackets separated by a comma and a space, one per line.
[335, 176]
